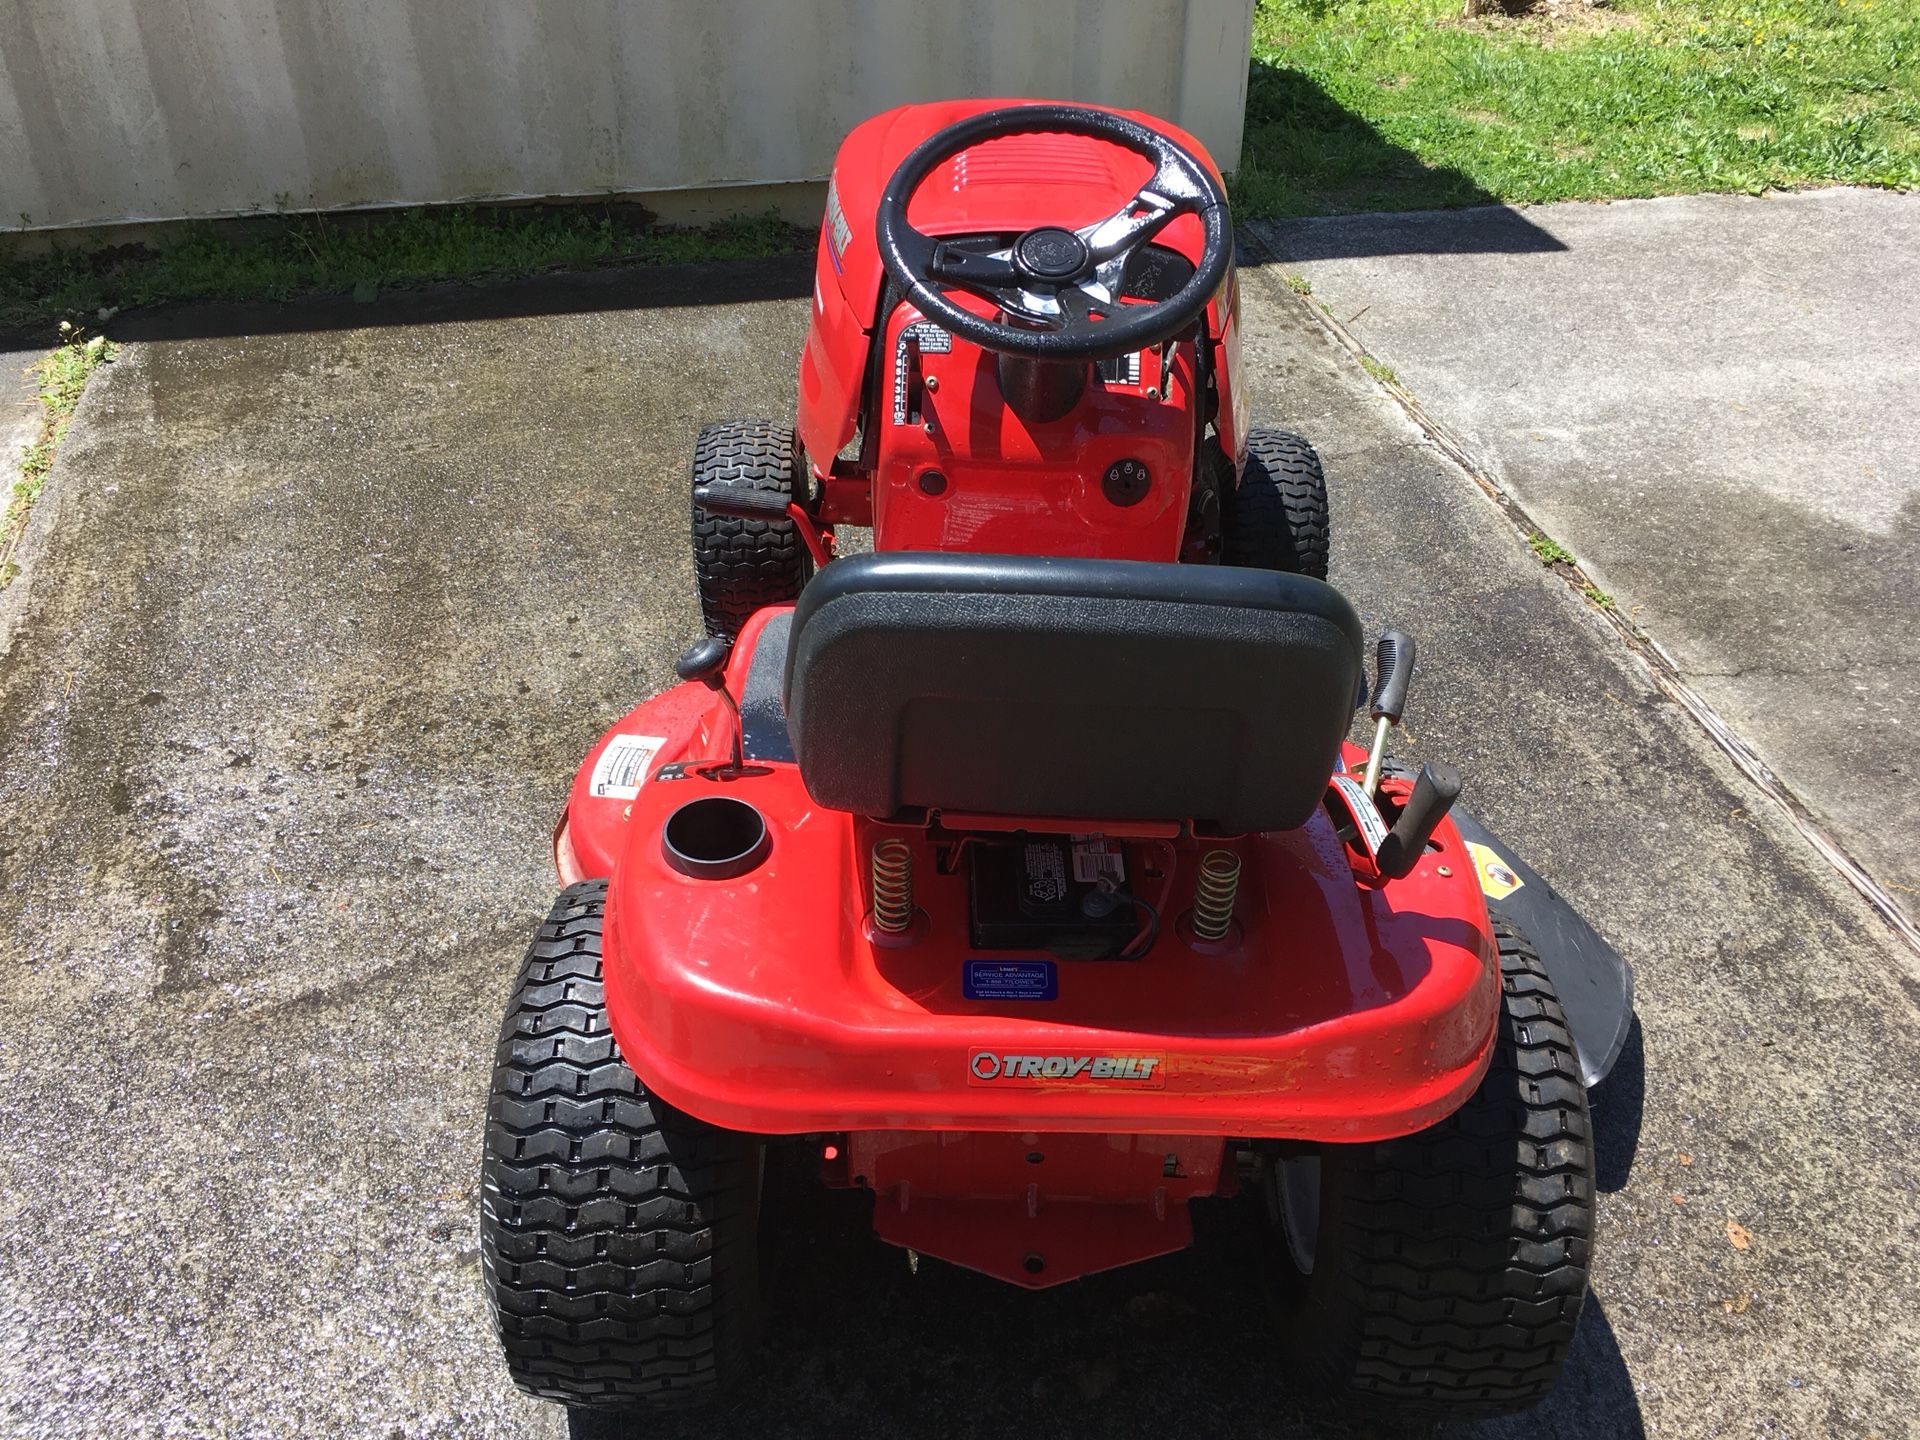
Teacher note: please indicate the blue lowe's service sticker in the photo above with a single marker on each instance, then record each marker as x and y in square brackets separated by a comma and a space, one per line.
[1005, 1067]
[1010, 980]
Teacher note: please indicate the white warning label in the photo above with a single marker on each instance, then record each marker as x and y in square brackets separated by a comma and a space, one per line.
[1094, 856]
[622, 767]
[930, 339]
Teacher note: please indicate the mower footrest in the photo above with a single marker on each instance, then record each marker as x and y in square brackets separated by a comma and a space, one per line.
[1060, 1242]
[1035, 1210]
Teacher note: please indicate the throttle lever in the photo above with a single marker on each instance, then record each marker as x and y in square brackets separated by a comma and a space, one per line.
[705, 661]
[1393, 664]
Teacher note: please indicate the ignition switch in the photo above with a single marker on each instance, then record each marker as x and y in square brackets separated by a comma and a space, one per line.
[1125, 482]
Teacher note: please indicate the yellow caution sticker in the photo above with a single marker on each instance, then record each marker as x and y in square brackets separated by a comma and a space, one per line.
[1497, 880]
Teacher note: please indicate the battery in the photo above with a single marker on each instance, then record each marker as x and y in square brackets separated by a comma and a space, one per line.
[1029, 893]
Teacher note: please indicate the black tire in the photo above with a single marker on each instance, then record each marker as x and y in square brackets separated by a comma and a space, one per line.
[1276, 518]
[617, 1237]
[1449, 1267]
[739, 566]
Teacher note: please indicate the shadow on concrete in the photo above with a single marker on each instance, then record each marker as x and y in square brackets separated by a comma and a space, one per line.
[1618, 1102]
[1306, 154]
[720, 282]
[857, 1344]
[1487, 230]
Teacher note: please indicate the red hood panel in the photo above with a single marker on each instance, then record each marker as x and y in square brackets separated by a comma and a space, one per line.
[1027, 180]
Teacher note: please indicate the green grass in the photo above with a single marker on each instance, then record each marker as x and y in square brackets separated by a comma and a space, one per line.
[63, 376]
[1550, 550]
[1399, 104]
[1383, 373]
[276, 258]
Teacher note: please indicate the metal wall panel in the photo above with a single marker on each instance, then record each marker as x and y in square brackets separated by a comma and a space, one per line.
[127, 110]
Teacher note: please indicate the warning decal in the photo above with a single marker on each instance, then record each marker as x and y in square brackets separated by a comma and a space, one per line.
[1497, 880]
[1094, 856]
[930, 339]
[622, 767]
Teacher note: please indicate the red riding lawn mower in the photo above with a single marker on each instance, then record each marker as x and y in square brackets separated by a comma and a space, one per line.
[1020, 870]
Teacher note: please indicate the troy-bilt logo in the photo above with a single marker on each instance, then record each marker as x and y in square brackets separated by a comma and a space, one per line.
[994, 1067]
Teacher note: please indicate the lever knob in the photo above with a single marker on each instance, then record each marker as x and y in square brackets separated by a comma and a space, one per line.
[703, 660]
[1433, 795]
[740, 501]
[1394, 667]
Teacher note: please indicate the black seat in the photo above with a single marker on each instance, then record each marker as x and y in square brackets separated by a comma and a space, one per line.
[1069, 688]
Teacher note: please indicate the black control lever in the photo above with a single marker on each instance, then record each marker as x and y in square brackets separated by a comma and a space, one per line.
[740, 502]
[1394, 663]
[706, 661]
[1433, 795]
[1393, 674]
[703, 660]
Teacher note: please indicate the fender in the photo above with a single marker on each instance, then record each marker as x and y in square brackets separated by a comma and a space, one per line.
[1594, 984]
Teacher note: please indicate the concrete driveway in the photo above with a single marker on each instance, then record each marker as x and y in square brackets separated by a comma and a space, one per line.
[1711, 401]
[321, 611]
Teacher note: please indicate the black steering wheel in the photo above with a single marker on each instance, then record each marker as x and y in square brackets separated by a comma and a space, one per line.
[1061, 288]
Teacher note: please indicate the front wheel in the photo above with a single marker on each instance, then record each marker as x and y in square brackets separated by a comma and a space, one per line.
[1444, 1272]
[1276, 518]
[617, 1236]
[740, 566]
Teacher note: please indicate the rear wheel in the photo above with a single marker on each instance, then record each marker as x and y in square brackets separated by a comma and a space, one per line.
[617, 1236]
[740, 566]
[1445, 1271]
[1276, 518]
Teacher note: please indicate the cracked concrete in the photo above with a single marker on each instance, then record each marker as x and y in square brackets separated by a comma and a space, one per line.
[1788, 672]
[1712, 402]
[337, 597]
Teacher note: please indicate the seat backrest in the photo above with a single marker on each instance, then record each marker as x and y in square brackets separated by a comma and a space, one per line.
[1070, 688]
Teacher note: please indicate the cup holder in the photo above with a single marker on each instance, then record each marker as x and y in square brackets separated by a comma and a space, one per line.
[715, 838]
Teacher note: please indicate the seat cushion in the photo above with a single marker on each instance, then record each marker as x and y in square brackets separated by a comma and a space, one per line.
[1071, 689]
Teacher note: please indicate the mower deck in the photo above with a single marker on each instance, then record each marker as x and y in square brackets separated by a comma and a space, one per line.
[1333, 1011]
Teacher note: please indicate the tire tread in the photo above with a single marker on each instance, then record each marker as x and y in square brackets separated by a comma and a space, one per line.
[1277, 517]
[1464, 1248]
[617, 1235]
[741, 566]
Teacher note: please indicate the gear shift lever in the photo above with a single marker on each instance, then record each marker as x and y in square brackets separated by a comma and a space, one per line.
[706, 661]
[1394, 664]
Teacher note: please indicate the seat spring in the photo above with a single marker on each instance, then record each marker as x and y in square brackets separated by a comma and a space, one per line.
[893, 887]
[1214, 893]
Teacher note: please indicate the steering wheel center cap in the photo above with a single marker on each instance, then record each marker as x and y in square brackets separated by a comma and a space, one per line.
[1050, 254]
